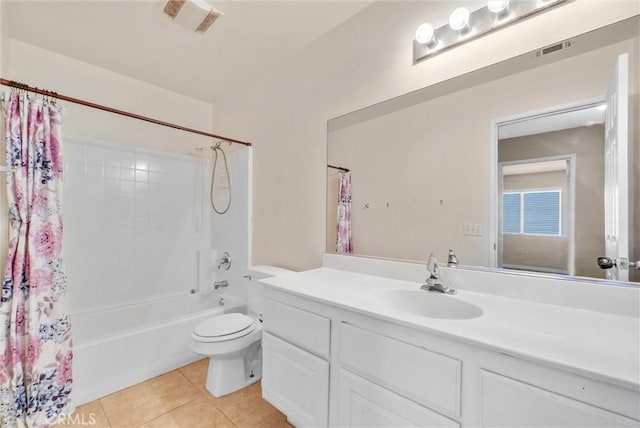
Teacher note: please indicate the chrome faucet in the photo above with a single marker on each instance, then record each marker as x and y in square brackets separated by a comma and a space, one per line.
[434, 282]
[452, 260]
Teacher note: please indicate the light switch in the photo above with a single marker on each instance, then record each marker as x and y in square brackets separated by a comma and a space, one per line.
[470, 229]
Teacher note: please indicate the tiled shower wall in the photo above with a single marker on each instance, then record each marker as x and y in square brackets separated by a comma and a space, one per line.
[134, 221]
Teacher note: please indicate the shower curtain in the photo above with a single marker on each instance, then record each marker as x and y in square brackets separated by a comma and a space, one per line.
[344, 245]
[35, 331]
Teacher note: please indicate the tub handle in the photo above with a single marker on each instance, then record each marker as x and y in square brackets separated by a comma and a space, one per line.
[225, 261]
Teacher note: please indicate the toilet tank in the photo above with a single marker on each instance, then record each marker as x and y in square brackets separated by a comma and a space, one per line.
[256, 289]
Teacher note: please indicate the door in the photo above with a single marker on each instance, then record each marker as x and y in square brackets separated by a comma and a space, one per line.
[616, 182]
[366, 404]
[508, 402]
[296, 382]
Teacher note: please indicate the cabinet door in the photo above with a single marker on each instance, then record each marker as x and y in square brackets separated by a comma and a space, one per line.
[365, 404]
[296, 382]
[507, 402]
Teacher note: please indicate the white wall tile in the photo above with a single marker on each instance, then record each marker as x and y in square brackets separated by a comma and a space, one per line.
[134, 223]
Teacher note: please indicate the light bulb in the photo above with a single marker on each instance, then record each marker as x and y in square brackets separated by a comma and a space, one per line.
[425, 34]
[459, 19]
[498, 6]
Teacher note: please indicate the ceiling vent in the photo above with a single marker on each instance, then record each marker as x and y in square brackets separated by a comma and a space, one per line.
[554, 48]
[194, 15]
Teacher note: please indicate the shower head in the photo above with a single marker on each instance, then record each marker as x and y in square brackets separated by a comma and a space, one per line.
[196, 15]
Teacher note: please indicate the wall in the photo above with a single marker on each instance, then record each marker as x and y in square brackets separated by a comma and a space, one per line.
[231, 232]
[587, 143]
[548, 252]
[364, 61]
[45, 69]
[4, 65]
[4, 38]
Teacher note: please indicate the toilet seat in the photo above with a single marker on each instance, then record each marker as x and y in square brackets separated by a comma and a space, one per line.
[223, 328]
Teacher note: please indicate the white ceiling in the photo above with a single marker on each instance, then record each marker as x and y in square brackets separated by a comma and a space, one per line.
[136, 39]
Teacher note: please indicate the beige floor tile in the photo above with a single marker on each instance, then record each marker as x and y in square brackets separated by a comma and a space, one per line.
[148, 400]
[197, 372]
[276, 420]
[199, 413]
[246, 407]
[90, 414]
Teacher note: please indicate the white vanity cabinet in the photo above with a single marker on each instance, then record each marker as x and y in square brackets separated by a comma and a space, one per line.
[514, 392]
[326, 365]
[295, 367]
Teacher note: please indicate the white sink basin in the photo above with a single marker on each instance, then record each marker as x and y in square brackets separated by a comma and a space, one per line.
[425, 303]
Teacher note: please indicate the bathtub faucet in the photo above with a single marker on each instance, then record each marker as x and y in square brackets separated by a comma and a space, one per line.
[219, 284]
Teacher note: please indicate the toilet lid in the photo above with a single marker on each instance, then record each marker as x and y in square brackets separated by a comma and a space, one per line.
[224, 325]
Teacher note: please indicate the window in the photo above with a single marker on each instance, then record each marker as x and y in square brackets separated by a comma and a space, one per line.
[532, 212]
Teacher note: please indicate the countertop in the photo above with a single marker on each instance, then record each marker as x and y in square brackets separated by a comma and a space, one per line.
[596, 344]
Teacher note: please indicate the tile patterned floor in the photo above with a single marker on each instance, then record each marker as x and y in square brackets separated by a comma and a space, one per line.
[179, 399]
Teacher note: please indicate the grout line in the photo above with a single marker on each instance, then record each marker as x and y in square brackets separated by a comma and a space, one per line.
[141, 383]
[104, 412]
[225, 415]
[177, 407]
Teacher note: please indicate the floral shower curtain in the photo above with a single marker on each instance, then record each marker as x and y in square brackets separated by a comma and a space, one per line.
[35, 331]
[344, 244]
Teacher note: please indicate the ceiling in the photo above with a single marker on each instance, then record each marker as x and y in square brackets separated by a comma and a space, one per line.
[136, 39]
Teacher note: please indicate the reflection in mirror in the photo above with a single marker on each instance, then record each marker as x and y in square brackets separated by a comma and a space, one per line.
[552, 191]
[424, 177]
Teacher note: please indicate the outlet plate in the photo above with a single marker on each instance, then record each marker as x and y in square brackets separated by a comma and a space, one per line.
[471, 229]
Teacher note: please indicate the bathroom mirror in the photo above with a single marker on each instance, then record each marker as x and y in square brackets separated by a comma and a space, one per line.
[437, 169]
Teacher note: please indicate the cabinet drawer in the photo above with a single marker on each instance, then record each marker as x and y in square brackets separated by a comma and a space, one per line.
[507, 402]
[365, 404]
[309, 331]
[422, 375]
[295, 382]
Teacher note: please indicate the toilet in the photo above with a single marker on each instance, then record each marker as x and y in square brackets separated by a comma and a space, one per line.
[233, 341]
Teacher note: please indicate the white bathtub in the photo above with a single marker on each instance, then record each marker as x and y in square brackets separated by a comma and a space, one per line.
[119, 347]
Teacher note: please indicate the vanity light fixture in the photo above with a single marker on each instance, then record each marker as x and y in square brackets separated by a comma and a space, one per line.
[459, 20]
[425, 35]
[464, 25]
[498, 7]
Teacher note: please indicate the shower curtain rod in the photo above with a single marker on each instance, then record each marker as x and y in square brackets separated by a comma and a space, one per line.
[339, 168]
[47, 93]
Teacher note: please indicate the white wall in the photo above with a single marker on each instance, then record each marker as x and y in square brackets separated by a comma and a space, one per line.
[46, 69]
[4, 38]
[364, 61]
[4, 65]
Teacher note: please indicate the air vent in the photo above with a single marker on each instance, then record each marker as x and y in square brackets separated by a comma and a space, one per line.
[554, 48]
[195, 15]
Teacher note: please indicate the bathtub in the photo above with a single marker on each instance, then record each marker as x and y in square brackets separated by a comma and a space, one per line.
[119, 347]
